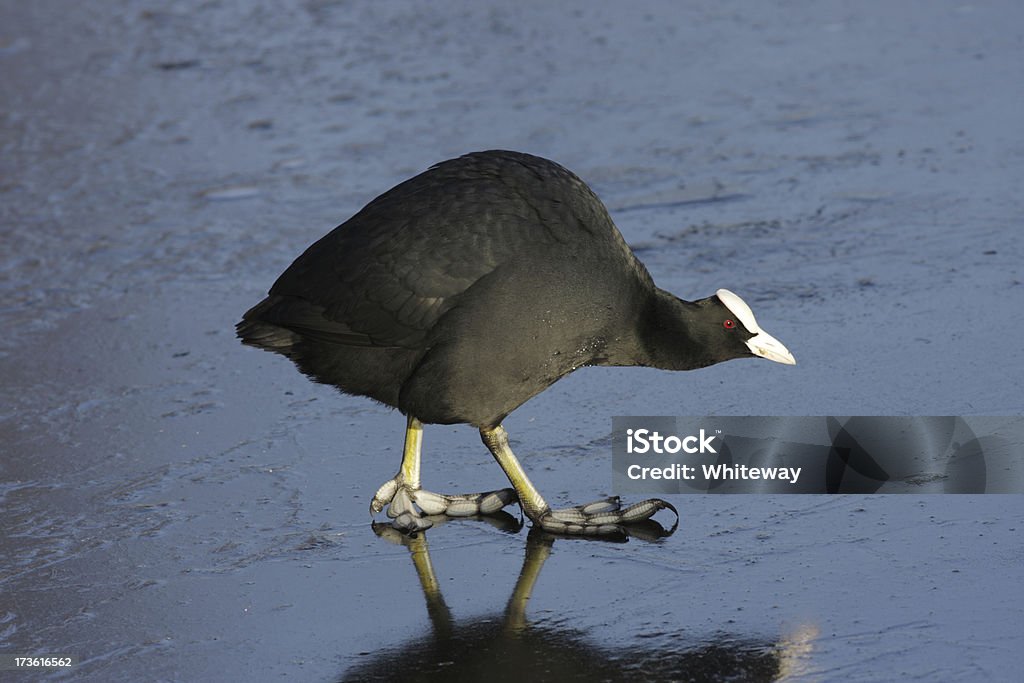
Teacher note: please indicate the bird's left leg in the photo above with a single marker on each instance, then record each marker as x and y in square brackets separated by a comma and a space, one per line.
[407, 502]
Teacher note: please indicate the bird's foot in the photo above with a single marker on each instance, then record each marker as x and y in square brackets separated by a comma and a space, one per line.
[407, 506]
[601, 518]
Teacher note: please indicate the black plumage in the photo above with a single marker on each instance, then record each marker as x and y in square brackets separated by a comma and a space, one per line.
[461, 293]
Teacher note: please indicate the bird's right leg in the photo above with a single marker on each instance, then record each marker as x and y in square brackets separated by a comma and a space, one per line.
[600, 518]
[407, 502]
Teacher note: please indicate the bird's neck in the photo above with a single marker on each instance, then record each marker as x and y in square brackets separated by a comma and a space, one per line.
[668, 336]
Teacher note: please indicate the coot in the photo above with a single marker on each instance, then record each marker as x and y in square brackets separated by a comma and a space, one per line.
[461, 293]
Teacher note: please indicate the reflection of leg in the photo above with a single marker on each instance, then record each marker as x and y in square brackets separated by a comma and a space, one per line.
[437, 608]
[538, 549]
[402, 494]
[601, 518]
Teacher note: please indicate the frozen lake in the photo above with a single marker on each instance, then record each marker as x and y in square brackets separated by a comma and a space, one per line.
[174, 506]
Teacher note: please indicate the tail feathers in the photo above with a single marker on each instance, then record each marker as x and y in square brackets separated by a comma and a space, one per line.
[253, 330]
[266, 336]
[279, 323]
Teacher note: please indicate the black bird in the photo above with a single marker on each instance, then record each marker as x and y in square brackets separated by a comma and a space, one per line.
[463, 292]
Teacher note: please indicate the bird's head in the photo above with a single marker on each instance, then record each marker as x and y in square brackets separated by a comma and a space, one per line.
[728, 329]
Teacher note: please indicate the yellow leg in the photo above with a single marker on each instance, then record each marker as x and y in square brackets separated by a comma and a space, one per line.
[496, 440]
[411, 453]
[600, 518]
[408, 476]
[406, 501]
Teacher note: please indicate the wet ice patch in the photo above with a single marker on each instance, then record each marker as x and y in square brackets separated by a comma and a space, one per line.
[230, 192]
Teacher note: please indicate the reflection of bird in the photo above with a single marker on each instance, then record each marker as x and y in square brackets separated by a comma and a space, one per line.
[463, 292]
[507, 647]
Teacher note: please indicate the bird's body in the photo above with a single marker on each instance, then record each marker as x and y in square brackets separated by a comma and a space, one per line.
[456, 320]
[465, 291]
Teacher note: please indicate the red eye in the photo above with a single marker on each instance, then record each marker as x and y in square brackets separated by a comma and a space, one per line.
[729, 324]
